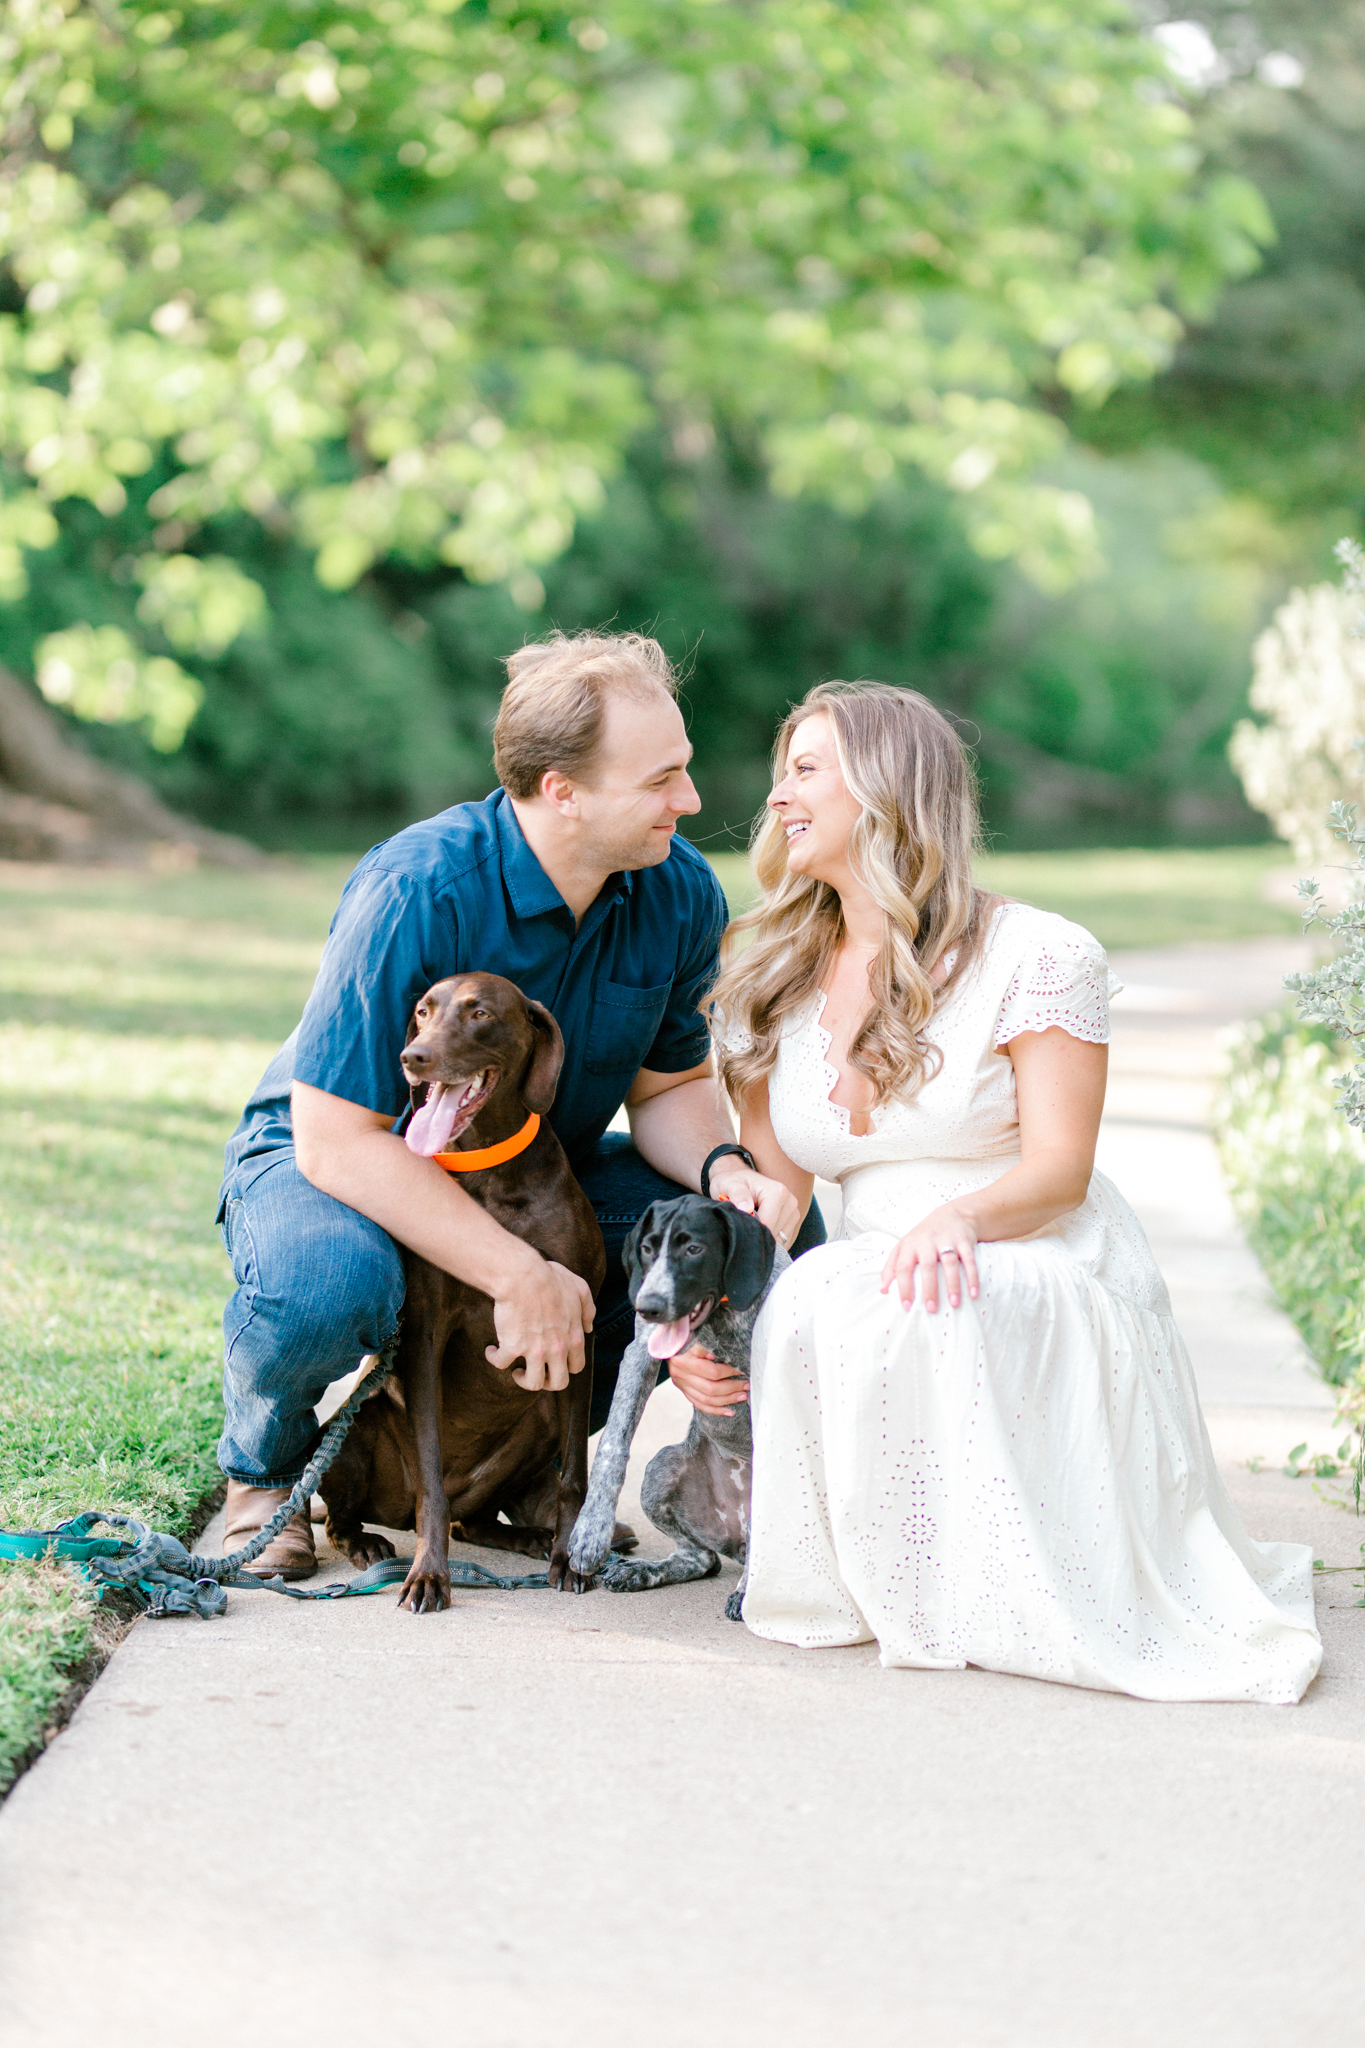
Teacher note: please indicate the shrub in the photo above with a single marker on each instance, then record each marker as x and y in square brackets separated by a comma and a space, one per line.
[1296, 1172]
[1310, 686]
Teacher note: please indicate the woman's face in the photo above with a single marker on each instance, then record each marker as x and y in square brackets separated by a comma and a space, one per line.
[816, 806]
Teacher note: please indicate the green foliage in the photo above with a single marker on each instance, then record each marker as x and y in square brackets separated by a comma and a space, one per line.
[98, 673]
[1296, 1172]
[1105, 714]
[1269, 390]
[1101, 715]
[755, 597]
[405, 280]
[327, 713]
[1333, 995]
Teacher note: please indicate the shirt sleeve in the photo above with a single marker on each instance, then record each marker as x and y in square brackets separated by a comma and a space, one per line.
[683, 1039]
[388, 943]
[1063, 981]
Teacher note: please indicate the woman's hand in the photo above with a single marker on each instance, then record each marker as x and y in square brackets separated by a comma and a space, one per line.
[706, 1382]
[945, 1239]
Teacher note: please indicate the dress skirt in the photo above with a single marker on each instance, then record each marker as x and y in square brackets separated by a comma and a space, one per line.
[1024, 1483]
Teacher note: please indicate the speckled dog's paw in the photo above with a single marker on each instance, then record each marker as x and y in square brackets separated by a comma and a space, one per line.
[590, 1543]
[623, 1575]
[734, 1606]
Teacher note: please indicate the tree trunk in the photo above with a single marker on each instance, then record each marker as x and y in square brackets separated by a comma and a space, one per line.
[59, 803]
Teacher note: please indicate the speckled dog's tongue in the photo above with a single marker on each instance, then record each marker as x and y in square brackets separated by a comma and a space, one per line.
[667, 1339]
[433, 1123]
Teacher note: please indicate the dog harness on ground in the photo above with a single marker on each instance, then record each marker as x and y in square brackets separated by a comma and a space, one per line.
[490, 1155]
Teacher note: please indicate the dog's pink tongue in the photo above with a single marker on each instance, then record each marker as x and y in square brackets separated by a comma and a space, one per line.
[667, 1339]
[433, 1123]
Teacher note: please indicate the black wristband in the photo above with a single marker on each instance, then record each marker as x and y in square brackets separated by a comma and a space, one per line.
[719, 1152]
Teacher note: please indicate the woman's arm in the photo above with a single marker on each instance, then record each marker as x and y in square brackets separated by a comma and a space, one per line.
[676, 1119]
[1060, 1083]
[757, 1137]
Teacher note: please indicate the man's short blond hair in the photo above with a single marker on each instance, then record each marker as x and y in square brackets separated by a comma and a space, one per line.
[553, 707]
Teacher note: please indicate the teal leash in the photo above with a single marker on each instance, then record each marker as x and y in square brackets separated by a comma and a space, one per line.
[391, 1571]
[146, 1569]
[164, 1578]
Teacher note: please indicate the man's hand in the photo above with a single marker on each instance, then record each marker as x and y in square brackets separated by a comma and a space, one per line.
[540, 1316]
[774, 1204]
[708, 1384]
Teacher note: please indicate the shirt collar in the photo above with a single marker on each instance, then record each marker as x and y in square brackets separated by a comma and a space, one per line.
[530, 888]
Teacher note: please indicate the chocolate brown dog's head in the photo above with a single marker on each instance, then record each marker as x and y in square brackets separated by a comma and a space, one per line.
[473, 1038]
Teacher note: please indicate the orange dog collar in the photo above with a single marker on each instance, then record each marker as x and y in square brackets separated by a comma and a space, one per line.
[490, 1155]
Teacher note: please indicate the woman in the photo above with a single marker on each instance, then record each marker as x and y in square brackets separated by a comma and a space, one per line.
[976, 1432]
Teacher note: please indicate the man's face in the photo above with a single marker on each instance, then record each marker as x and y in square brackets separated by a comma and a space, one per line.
[640, 785]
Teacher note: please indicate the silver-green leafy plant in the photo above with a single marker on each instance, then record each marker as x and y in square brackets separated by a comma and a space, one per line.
[1334, 993]
[1301, 753]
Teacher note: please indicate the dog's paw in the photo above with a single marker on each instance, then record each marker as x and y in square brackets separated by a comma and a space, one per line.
[365, 1549]
[734, 1606]
[590, 1542]
[624, 1538]
[426, 1589]
[619, 1575]
[562, 1576]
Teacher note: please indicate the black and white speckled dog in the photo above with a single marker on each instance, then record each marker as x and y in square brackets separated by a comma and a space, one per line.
[693, 1268]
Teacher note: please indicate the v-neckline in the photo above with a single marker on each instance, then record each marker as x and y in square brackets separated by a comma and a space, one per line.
[834, 1077]
[832, 1072]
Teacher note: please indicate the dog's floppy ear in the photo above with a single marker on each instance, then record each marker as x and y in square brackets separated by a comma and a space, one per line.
[749, 1259]
[630, 1250]
[538, 1086]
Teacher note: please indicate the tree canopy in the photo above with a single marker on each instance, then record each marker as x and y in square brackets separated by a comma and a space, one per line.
[1269, 387]
[403, 280]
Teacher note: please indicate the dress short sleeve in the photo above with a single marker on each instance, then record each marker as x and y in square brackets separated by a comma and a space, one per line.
[729, 1035]
[1062, 981]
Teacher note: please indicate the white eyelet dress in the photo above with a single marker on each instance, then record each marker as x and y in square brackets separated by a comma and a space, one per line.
[1024, 1483]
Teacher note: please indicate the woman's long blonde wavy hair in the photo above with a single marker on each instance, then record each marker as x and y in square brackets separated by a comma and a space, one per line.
[912, 848]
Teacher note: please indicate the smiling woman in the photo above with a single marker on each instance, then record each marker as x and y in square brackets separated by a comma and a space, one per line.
[911, 842]
[977, 1438]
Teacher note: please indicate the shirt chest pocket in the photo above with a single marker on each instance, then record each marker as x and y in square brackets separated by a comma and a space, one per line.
[622, 1025]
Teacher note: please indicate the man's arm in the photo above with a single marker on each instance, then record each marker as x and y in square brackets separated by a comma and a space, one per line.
[706, 1381]
[676, 1119]
[540, 1309]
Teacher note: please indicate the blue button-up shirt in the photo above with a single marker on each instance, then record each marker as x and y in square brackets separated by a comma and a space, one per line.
[463, 892]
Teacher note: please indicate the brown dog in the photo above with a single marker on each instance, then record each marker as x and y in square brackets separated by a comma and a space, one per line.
[451, 1439]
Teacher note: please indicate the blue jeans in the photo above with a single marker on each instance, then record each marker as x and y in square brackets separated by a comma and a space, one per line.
[318, 1285]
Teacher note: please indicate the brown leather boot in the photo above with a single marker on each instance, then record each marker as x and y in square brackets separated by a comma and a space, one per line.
[289, 1555]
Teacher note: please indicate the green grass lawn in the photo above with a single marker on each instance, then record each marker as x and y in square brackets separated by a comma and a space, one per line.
[136, 1011]
[135, 1014]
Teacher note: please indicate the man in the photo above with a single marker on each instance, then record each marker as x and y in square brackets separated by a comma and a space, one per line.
[571, 881]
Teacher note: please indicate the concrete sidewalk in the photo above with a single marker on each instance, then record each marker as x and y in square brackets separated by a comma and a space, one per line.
[601, 1820]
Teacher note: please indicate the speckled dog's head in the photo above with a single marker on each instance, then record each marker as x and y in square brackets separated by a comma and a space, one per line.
[686, 1256]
